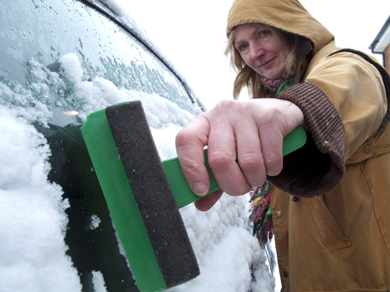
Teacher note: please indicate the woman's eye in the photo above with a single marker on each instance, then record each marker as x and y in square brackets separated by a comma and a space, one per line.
[264, 33]
[242, 47]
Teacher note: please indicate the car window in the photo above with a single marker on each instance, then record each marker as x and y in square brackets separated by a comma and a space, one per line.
[34, 39]
[59, 61]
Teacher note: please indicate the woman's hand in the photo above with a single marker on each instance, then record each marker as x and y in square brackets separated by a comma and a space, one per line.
[244, 141]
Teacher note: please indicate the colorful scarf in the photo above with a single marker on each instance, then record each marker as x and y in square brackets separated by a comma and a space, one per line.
[273, 84]
[261, 213]
[260, 196]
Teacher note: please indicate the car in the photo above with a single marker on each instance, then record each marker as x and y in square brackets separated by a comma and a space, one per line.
[61, 60]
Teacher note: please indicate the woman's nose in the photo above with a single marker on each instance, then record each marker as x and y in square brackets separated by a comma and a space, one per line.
[256, 51]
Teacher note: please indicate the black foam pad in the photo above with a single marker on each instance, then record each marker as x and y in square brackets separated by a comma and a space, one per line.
[152, 193]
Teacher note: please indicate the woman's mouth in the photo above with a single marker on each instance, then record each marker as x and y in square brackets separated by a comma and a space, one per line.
[267, 63]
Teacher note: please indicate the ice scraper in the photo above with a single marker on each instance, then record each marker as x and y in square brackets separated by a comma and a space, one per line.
[144, 194]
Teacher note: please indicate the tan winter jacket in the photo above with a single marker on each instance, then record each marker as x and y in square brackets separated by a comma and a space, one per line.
[336, 237]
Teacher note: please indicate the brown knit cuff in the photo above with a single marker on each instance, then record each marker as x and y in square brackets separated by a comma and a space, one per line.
[318, 167]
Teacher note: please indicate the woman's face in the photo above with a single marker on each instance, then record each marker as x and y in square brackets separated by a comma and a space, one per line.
[261, 49]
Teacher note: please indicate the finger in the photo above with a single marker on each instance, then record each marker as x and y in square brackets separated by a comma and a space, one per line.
[222, 156]
[271, 140]
[206, 203]
[190, 142]
[250, 158]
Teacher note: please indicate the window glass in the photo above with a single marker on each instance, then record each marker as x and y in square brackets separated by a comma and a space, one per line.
[34, 38]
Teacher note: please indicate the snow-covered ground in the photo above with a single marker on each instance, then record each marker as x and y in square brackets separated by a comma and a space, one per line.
[32, 212]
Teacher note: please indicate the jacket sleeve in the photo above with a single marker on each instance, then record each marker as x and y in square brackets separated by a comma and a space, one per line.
[343, 100]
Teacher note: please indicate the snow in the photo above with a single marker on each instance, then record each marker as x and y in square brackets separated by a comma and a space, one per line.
[98, 282]
[32, 212]
[224, 248]
[32, 217]
[95, 221]
[33, 104]
[99, 93]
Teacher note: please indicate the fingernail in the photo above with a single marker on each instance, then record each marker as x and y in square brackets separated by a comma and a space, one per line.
[199, 189]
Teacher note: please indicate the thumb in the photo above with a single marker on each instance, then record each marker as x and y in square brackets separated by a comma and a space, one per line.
[190, 143]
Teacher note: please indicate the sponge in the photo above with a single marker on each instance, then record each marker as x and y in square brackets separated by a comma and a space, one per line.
[152, 193]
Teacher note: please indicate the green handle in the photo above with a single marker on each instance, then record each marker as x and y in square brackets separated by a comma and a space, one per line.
[182, 192]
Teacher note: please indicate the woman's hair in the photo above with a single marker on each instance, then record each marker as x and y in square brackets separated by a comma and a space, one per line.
[246, 76]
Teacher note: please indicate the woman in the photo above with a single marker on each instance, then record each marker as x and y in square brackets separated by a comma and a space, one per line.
[330, 199]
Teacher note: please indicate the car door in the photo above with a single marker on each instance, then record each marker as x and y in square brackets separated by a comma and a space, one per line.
[59, 61]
